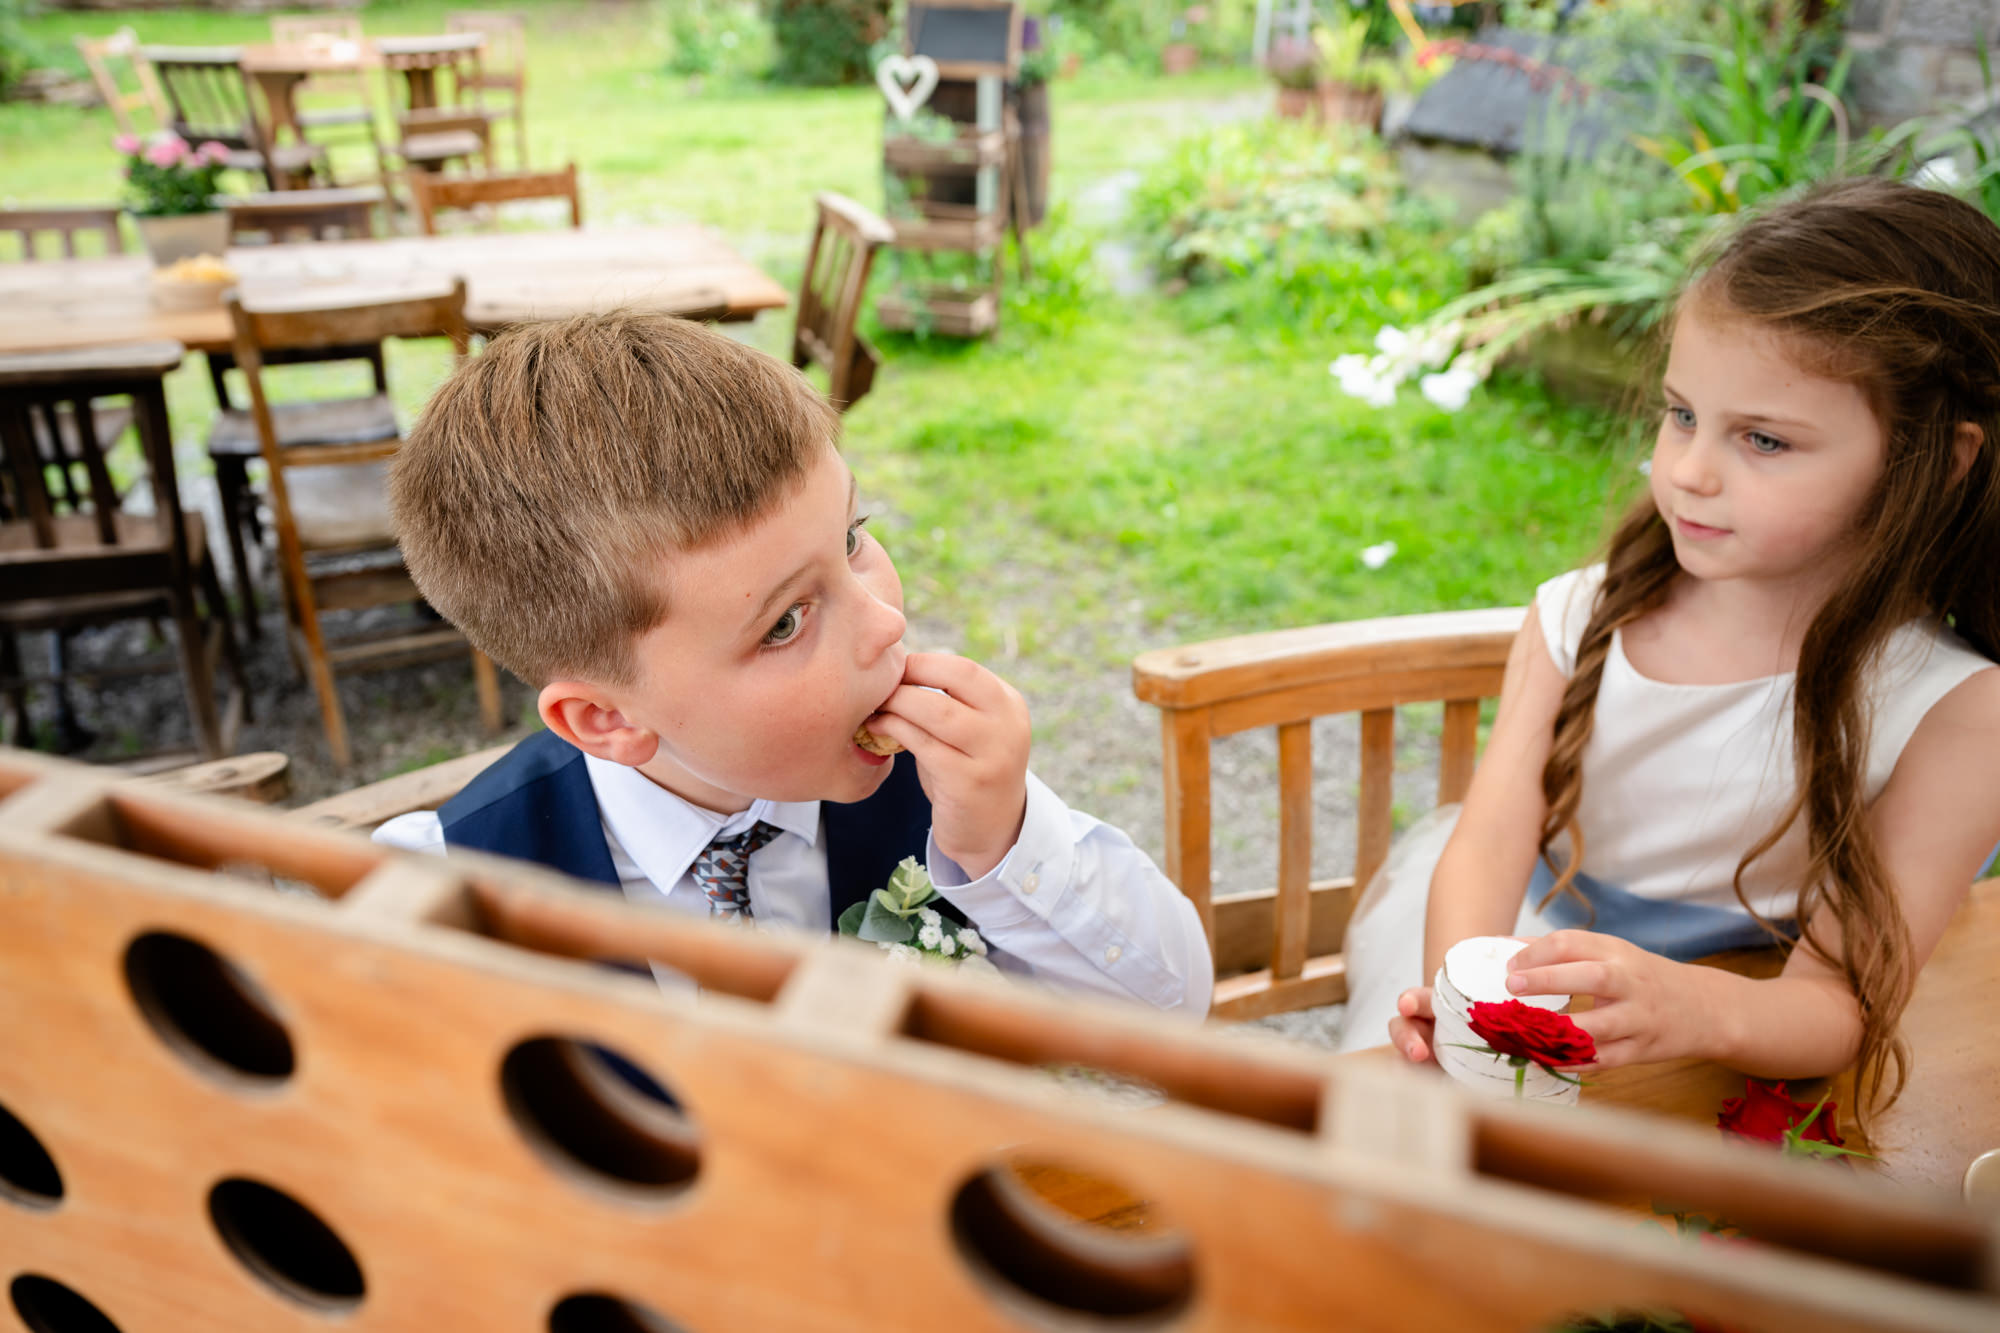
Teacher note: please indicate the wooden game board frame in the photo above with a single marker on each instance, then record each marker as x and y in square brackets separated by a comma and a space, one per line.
[849, 1125]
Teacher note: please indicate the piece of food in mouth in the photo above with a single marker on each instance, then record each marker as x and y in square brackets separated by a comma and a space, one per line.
[874, 744]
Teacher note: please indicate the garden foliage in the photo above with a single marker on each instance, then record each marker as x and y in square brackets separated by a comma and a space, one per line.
[826, 42]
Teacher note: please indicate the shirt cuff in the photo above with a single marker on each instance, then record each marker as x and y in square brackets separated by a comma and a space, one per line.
[1031, 880]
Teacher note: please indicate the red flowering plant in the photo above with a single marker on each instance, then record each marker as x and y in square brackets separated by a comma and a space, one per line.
[1523, 1035]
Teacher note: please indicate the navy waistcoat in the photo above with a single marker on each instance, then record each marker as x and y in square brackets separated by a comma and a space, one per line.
[536, 804]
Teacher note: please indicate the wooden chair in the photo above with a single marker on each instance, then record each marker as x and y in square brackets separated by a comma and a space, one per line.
[209, 98]
[55, 429]
[844, 241]
[431, 138]
[433, 191]
[356, 105]
[329, 500]
[285, 215]
[503, 67]
[75, 560]
[104, 57]
[346, 213]
[1279, 949]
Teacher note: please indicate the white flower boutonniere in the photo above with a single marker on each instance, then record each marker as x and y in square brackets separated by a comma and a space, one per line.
[897, 918]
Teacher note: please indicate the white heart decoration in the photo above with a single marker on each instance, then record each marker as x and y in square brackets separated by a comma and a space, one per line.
[907, 81]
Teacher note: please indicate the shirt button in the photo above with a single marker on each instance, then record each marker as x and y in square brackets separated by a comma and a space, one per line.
[1113, 954]
[1030, 882]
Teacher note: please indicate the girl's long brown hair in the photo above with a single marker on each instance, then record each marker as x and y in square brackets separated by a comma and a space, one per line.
[1897, 290]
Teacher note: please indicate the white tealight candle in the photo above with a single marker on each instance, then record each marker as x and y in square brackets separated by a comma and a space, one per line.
[1477, 969]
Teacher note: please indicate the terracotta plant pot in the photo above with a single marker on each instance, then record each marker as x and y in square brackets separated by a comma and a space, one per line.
[1345, 103]
[1297, 103]
[1179, 57]
[184, 236]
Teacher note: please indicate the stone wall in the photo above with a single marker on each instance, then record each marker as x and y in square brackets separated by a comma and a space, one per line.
[1913, 56]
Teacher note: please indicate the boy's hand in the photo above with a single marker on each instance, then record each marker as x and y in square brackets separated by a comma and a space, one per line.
[971, 747]
[1646, 1007]
[1412, 1031]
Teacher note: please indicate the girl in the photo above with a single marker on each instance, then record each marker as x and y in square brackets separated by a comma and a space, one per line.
[1768, 713]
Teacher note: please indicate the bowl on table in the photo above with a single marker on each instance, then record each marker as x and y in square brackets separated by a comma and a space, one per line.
[192, 284]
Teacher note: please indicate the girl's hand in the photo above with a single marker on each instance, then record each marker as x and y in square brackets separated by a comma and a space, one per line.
[1411, 1030]
[968, 732]
[1646, 1007]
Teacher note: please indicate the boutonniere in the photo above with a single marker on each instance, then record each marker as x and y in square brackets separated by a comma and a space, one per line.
[898, 918]
[1522, 1035]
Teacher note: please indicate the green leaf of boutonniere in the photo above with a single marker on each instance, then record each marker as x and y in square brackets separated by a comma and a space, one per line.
[883, 923]
[910, 887]
[850, 920]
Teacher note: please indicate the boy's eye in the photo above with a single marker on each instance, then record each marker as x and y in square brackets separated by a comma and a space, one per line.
[788, 626]
[1682, 417]
[854, 534]
[1767, 444]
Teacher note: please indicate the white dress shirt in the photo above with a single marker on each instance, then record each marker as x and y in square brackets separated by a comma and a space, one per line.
[1073, 901]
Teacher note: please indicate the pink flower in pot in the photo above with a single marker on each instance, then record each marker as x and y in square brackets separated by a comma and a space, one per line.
[167, 150]
[127, 144]
[212, 152]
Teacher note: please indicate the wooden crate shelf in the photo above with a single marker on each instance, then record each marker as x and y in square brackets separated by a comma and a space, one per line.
[971, 151]
[953, 313]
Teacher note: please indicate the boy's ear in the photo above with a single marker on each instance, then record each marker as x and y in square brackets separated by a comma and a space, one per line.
[1965, 444]
[587, 718]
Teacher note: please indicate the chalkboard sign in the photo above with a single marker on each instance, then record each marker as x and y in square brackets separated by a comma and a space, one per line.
[967, 38]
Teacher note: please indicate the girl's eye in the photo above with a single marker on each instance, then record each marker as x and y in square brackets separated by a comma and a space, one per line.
[1767, 444]
[1682, 417]
[854, 534]
[788, 626]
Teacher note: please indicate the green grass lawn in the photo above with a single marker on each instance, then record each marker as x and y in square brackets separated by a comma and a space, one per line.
[1103, 446]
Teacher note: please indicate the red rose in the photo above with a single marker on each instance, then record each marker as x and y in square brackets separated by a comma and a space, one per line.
[1520, 1030]
[1764, 1113]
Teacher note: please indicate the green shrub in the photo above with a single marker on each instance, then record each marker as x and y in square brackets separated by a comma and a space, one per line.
[16, 50]
[826, 42]
[723, 38]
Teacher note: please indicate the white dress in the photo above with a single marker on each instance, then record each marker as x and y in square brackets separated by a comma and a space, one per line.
[1678, 782]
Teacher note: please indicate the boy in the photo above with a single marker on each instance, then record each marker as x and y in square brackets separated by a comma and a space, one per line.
[650, 522]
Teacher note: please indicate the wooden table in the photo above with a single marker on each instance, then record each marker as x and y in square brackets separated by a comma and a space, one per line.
[511, 278]
[278, 68]
[1948, 1114]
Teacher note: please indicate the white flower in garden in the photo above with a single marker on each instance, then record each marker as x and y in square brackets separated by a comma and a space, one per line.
[1436, 346]
[1365, 379]
[1391, 341]
[930, 937]
[1378, 555]
[1645, 467]
[1450, 389]
[1940, 173]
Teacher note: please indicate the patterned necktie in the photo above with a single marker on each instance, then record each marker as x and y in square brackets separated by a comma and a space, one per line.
[723, 870]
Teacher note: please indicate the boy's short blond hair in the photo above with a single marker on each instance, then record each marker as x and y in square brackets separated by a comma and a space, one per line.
[551, 478]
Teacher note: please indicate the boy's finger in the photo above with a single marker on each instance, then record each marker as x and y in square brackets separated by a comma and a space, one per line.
[928, 749]
[944, 717]
[960, 677]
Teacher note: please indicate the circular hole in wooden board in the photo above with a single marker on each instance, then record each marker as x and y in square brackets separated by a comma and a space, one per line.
[286, 1244]
[206, 1008]
[597, 1312]
[28, 1175]
[1074, 1241]
[47, 1306]
[585, 1106]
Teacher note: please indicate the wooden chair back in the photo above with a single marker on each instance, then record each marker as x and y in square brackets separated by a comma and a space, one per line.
[503, 67]
[1279, 949]
[208, 96]
[346, 214]
[433, 191]
[304, 29]
[66, 224]
[844, 241]
[105, 57]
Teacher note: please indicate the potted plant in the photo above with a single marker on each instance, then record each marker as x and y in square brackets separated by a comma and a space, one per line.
[171, 194]
[1294, 64]
[1351, 76]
